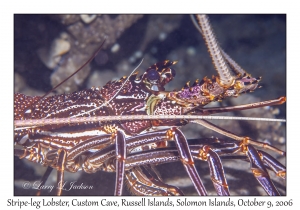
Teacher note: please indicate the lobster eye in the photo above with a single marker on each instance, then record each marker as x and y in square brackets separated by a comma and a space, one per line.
[152, 74]
[173, 72]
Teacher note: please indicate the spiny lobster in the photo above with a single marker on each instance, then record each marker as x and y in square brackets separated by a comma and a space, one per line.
[145, 90]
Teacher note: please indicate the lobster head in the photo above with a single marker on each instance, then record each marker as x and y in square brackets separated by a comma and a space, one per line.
[208, 90]
[158, 75]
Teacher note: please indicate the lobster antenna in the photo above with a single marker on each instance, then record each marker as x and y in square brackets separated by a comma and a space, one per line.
[42, 122]
[235, 67]
[107, 102]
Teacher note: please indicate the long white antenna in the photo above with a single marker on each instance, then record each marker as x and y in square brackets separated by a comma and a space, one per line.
[41, 122]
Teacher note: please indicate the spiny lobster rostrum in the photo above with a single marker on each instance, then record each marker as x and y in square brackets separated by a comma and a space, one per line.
[132, 148]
